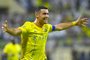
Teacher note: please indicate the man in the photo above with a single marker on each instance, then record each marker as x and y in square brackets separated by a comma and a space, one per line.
[11, 51]
[34, 34]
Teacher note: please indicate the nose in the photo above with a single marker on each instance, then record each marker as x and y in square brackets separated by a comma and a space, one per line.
[47, 16]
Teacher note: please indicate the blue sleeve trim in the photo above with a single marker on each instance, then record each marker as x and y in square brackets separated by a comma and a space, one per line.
[53, 28]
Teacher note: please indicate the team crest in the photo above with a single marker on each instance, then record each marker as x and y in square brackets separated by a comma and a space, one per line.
[45, 30]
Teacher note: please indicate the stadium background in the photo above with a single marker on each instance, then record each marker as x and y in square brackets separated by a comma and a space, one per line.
[70, 44]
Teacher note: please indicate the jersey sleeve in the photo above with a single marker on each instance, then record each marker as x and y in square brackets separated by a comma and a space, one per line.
[24, 27]
[18, 47]
[5, 50]
[49, 27]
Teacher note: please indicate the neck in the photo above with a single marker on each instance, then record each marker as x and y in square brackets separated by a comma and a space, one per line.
[38, 23]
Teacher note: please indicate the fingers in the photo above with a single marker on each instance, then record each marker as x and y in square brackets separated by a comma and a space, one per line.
[82, 22]
[5, 21]
[79, 18]
[83, 25]
[84, 19]
[4, 25]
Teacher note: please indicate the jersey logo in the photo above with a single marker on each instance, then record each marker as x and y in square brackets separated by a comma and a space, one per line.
[45, 30]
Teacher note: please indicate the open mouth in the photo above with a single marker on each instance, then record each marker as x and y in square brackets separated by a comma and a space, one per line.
[45, 18]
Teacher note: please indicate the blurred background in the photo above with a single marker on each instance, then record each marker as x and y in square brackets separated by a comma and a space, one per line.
[70, 44]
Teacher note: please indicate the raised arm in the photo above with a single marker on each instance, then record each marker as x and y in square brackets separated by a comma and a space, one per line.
[12, 31]
[79, 22]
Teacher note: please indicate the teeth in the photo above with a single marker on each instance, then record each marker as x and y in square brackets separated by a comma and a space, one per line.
[45, 18]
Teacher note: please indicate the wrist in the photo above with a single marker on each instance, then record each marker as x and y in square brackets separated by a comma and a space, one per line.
[74, 23]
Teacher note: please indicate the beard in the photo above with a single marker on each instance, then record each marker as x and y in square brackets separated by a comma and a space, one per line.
[45, 20]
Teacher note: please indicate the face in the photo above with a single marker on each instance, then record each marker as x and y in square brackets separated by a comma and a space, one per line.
[43, 16]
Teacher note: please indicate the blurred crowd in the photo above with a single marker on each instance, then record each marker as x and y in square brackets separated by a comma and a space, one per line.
[16, 12]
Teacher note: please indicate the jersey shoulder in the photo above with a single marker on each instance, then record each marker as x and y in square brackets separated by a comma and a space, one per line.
[48, 27]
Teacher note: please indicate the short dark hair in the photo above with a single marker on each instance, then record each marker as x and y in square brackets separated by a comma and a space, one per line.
[40, 7]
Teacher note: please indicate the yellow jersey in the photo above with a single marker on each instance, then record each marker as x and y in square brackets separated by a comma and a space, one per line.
[33, 40]
[12, 51]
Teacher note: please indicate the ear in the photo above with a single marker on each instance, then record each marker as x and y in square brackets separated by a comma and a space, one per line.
[37, 14]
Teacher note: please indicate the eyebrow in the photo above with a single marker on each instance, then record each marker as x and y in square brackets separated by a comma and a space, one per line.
[45, 13]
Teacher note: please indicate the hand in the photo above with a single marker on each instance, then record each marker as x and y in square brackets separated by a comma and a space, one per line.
[81, 22]
[5, 26]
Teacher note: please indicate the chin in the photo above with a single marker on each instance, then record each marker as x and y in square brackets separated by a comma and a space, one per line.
[45, 21]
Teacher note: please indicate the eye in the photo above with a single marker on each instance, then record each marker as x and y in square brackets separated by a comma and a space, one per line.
[45, 13]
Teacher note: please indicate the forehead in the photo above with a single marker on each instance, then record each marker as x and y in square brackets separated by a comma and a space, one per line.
[44, 11]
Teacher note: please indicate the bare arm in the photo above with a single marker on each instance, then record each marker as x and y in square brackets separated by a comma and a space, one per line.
[78, 22]
[63, 26]
[12, 31]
